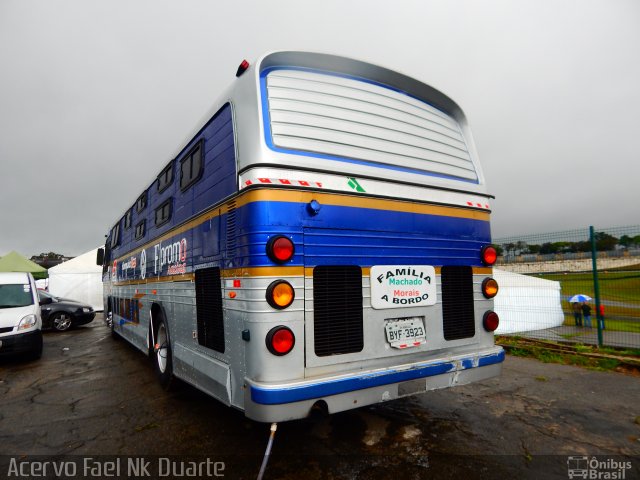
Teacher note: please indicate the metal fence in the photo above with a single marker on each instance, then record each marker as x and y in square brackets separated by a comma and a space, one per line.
[601, 265]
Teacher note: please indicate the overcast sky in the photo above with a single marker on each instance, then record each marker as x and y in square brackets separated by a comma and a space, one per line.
[96, 95]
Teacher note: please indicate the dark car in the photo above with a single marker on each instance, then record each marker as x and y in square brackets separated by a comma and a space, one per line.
[63, 313]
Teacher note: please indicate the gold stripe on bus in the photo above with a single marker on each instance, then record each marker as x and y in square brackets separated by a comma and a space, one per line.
[263, 272]
[482, 270]
[338, 199]
[308, 271]
[297, 196]
[266, 272]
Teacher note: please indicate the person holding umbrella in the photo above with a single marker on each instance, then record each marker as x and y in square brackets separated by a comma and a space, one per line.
[578, 310]
[577, 313]
[586, 314]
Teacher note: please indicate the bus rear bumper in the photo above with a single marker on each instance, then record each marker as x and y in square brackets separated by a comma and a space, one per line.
[292, 400]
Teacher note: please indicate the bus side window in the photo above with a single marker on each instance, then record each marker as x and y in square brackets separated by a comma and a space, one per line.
[191, 167]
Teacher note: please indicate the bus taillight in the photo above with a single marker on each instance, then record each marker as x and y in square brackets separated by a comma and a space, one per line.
[489, 255]
[242, 68]
[280, 249]
[280, 294]
[280, 340]
[490, 321]
[489, 287]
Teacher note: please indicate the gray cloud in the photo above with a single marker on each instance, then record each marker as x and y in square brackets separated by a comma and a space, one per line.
[95, 96]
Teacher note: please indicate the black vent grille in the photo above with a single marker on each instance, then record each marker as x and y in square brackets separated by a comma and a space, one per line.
[337, 306]
[5, 329]
[209, 309]
[457, 303]
[231, 228]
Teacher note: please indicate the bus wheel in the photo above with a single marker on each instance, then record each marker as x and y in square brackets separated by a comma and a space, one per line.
[162, 359]
[111, 324]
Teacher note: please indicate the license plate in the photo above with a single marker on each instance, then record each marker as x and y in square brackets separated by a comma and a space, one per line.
[405, 332]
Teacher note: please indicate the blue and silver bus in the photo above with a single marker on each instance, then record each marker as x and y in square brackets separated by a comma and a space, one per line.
[320, 241]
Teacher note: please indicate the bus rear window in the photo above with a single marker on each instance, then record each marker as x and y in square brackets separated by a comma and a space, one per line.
[343, 117]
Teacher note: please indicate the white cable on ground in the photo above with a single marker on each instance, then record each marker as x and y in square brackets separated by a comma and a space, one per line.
[265, 460]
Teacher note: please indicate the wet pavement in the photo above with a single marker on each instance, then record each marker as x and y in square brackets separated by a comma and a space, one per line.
[91, 395]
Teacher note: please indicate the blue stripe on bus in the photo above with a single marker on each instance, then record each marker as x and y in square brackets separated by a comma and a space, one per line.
[277, 396]
[268, 136]
[353, 235]
[338, 235]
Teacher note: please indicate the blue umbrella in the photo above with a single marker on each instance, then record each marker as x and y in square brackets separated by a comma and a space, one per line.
[580, 298]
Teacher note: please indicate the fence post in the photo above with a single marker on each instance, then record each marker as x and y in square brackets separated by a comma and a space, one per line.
[596, 285]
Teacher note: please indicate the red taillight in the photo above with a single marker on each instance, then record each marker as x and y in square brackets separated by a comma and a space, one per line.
[280, 340]
[280, 249]
[489, 255]
[242, 68]
[490, 321]
[489, 287]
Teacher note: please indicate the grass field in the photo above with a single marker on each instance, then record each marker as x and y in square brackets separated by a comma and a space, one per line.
[619, 293]
[615, 286]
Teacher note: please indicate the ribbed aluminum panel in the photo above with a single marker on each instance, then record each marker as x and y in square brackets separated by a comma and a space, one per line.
[345, 117]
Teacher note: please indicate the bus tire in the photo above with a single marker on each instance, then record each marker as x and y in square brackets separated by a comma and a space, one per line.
[111, 324]
[162, 357]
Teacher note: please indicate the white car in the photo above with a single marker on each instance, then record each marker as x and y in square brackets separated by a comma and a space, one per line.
[20, 319]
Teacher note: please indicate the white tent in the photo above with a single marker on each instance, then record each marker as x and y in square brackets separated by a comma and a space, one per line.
[78, 279]
[525, 303]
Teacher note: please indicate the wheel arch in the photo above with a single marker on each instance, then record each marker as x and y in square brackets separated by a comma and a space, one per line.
[156, 313]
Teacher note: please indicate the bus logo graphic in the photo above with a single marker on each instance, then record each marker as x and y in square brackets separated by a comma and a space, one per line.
[173, 255]
[353, 183]
[578, 467]
[143, 264]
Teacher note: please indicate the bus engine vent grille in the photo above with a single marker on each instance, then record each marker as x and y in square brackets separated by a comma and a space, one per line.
[457, 302]
[231, 228]
[337, 306]
[209, 309]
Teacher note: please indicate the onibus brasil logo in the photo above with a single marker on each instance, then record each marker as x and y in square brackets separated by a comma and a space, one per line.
[593, 468]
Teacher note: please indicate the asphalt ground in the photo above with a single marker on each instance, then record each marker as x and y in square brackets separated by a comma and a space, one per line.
[90, 396]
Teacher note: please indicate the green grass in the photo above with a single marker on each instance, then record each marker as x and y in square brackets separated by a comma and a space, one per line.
[630, 352]
[614, 325]
[615, 286]
[546, 356]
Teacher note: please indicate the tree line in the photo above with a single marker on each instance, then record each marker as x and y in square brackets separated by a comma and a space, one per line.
[604, 242]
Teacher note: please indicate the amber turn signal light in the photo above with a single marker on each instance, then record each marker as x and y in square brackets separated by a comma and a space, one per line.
[280, 294]
[489, 287]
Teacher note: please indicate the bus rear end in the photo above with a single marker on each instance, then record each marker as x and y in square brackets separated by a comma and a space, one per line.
[365, 224]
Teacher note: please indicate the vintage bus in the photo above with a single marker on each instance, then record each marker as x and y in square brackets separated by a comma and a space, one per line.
[321, 241]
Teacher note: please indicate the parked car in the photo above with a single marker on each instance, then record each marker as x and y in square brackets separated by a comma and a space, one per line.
[62, 313]
[20, 320]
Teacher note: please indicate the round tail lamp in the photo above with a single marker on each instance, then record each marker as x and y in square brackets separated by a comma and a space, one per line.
[280, 340]
[280, 294]
[280, 249]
